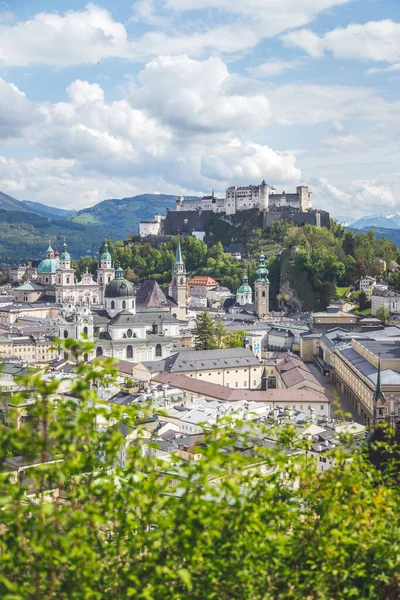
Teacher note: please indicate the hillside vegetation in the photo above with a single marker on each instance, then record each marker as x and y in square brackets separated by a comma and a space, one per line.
[25, 235]
[121, 217]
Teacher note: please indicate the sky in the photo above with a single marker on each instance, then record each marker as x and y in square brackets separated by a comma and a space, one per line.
[110, 99]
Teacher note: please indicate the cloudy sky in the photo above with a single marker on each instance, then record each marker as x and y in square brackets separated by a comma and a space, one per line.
[110, 99]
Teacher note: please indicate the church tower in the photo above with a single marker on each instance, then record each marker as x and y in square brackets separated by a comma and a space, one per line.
[65, 278]
[178, 291]
[105, 272]
[261, 300]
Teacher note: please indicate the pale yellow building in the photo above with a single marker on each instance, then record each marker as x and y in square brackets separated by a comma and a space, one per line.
[232, 367]
[28, 348]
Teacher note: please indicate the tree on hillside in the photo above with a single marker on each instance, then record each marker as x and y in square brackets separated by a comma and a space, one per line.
[382, 313]
[205, 338]
[235, 339]
[220, 333]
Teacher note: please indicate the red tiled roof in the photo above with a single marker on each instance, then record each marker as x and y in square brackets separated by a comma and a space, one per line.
[220, 392]
[203, 280]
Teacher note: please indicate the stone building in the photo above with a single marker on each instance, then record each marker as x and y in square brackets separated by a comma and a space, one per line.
[261, 289]
[119, 330]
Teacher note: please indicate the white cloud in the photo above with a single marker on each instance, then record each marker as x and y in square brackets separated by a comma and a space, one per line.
[311, 103]
[274, 67]
[91, 35]
[377, 41]
[196, 96]
[86, 36]
[361, 197]
[16, 112]
[249, 162]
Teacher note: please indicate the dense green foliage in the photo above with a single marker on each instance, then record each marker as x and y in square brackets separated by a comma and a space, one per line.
[206, 337]
[382, 313]
[230, 526]
[332, 257]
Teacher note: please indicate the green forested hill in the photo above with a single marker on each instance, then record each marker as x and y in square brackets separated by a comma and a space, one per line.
[47, 211]
[26, 227]
[123, 216]
[25, 235]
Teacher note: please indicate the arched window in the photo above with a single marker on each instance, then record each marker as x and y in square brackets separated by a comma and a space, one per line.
[85, 330]
[158, 350]
[123, 303]
[129, 333]
[65, 334]
[59, 280]
[101, 279]
[47, 280]
[99, 351]
[129, 352]
[67, 279]
[263, 294]
[112, 304]
[181, 280]
[109, 278]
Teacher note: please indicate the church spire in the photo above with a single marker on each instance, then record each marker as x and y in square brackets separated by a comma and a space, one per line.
[378, 396]
[178, 255]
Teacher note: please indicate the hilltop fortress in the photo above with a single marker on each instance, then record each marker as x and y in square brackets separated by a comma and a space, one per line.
[192, 216]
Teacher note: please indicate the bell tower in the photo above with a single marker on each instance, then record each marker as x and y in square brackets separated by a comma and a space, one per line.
[179, 279]
[105, 272]
[261, 288]
[65, 282]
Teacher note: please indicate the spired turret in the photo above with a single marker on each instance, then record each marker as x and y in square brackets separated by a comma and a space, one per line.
[178, 290]
[105, 272]
[261, 300]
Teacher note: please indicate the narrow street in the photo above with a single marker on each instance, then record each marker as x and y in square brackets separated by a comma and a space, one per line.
[335, 394]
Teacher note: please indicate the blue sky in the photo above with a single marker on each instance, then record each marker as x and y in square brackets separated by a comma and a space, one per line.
[112, 98]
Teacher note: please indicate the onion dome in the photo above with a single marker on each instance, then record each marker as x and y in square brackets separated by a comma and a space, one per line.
[244, 288]
[65, 255]
[262, 271]
[105, 255]
[119, 287]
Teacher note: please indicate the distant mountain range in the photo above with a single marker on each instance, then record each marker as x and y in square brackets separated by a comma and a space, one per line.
[26, 226]
[391, 221]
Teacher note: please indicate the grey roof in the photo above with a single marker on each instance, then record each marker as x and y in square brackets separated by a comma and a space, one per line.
[387, 293]
[388, 350]
[280, 333]
[126, 318]
[150, 317]
[119, 288]
[201, 360]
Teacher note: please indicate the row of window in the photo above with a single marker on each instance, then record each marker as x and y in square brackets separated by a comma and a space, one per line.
[129, 351]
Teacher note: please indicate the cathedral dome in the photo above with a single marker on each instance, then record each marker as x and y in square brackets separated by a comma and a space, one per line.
[48, 265]
[119, 287]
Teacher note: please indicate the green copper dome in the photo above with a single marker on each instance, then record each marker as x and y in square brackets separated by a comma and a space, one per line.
[105, 254]
[244, 288]
[262, 271]
[65, 255]
[48, 265]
